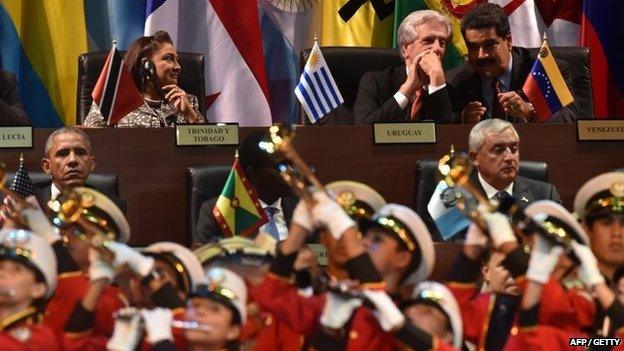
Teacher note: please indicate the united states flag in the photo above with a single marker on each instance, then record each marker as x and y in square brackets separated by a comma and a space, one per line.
[317, 91]
[22, 184]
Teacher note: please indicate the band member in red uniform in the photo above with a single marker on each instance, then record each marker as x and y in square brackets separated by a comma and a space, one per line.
[27, 279]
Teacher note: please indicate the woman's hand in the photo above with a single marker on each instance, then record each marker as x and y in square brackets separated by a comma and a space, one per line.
[178, 98]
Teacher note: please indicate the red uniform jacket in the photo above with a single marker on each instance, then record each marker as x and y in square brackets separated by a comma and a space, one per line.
[22, 331]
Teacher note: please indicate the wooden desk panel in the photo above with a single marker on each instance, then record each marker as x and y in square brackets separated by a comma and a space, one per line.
[152, 171]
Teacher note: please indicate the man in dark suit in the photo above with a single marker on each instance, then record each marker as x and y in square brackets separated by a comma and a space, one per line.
[495, 152]
[69, 160]
[415, 91]
[12, 111]
[275, 196]
[490, 84]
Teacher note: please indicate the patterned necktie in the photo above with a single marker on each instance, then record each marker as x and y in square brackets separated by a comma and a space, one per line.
[497, 108]
[416, 105]
[271, 226]
[501, 196]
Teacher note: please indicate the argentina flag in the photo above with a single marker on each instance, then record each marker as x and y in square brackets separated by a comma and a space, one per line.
[317, 90]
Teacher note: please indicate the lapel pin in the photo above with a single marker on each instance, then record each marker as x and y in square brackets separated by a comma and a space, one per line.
[524, 199]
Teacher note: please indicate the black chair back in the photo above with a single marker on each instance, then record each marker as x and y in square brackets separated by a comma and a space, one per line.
[578, 60]
[202, 183]
[347, 65]
[427, 180]
[191, 78]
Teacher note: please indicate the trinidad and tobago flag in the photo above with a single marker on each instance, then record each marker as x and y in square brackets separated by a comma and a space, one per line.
[115, 93]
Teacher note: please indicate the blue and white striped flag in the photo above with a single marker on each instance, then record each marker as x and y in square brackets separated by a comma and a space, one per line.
[448, 218]
[317, 90]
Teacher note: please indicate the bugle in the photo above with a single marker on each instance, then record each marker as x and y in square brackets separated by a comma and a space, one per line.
[295, 172]
[71, 207]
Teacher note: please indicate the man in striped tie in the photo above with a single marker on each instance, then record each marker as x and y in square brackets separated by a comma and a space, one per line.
[415, 91]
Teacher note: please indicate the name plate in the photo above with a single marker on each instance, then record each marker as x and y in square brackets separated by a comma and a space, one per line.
[206, 134]
[320, 252]
[404, 133]
[600, 129]
[16, 137]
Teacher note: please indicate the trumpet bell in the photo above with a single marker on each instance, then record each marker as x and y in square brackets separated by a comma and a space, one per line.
[455, 168]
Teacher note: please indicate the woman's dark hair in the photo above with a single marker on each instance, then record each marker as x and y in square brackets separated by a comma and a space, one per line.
[144, 47]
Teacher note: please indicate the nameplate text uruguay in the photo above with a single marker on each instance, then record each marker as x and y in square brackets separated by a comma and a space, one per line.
[206, 134]
[600, 129]
[404, 133]
[16, 137]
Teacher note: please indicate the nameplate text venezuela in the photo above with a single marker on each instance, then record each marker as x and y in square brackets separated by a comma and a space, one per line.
[601, 129]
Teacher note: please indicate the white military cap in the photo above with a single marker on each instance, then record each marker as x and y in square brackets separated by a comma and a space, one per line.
[227, 287]
[556, 215]
[234, 247]
[31, 250]
[358, 199]
[600, 195]
[183, 261]
[408, 228]
[101, 211]
[432, 292]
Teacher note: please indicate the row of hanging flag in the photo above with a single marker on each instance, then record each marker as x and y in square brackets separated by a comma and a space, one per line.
[254, 45]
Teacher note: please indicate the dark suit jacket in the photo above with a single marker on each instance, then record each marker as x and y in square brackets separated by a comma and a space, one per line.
[465, 85]
[207, 229]
[11, 109]
[525, 190]
[375, 100]
[43, 196]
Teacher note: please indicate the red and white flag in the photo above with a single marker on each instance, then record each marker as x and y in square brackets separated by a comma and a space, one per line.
[115, 93]
[227, 32]
[529, 19]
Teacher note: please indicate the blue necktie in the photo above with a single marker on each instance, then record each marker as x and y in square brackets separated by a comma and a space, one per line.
[271, 226]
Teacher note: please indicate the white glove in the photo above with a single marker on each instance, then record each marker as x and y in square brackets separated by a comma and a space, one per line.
[475, 236]
[499, 228]
[98, 268]
[127, 332]
[338, 310]
[588, 271]
[140, 264]
[544, 258]
[39, 223]
[388, 315]
[301, 216]
[158, 324]
[328, 213]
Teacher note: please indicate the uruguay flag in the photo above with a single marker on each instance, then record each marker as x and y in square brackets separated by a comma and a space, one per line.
[317, 91]
[545, 87]
[228, 34]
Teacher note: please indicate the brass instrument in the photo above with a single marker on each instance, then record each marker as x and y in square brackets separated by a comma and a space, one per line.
[70, 207]
[296, 173]
[455, 169]
[126, 314]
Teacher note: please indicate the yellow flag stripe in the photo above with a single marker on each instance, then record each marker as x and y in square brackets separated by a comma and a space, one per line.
[456, 37]
[363, 29]
[53, 34]
[555, 77]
